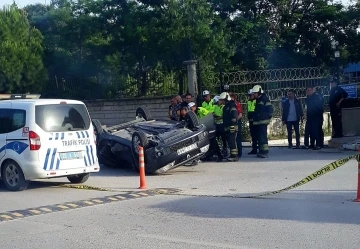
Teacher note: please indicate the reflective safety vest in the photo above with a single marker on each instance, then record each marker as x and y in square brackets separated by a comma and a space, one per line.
[251, 105]
[208, 106]
[202, 112]
[218, 114]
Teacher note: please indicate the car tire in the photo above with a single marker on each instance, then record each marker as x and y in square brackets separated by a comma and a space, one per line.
[191, 120]
[81, 178]
[98, 128]
[13, 176]
[139, 138]
[143, 112]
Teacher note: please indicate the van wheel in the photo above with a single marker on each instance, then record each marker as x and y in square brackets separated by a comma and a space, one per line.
[13, 177]
[81, 178]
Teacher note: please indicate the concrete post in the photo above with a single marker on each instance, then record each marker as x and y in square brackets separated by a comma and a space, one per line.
[191, 77]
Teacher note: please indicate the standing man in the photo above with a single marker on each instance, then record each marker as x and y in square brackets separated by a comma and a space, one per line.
[337, 96]
[220, 131]
[239, 132]
[262, 115]
[291, 116]
[251, 111]
[177, 108]
[230, 119]
[314, 115]
[321, 131]
[172, 105]
[188, 99]
[208, 103]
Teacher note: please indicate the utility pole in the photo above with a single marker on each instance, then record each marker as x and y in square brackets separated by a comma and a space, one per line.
[335, 46]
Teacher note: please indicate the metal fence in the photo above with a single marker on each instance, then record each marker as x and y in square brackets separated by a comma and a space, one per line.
[144, 84]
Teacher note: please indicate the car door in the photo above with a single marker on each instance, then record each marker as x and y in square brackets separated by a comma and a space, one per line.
[5, 122]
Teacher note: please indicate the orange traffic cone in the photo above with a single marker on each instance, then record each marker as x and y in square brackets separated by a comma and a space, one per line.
[142, 168]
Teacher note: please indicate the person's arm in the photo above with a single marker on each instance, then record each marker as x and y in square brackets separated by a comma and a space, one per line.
[343, 95]
[301, 111]
[240, 111]
[234, 118]
[284, 113]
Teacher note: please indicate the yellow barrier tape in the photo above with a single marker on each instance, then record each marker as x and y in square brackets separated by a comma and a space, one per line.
[324, 170]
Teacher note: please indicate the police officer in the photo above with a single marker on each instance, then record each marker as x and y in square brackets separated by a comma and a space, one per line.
[262, 115]
[230, 120]
[220, 131]
[250, 115]
[200, 111]
[208, 103]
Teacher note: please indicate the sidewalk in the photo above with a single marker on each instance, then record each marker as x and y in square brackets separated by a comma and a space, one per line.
[347, 143]
[284, 142]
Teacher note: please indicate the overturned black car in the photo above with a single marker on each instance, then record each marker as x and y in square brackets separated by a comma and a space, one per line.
[167, 144]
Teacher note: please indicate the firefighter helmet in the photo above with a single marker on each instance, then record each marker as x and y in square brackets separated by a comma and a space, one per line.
[225, 95]
[257, 89]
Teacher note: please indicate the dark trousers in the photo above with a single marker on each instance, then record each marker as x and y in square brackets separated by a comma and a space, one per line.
[231, 140]
[239, 138]
[253, 134]
[262, 139]
[321, 134]
[289, 126]
[336, 122]
[221, 139]
[312, 131]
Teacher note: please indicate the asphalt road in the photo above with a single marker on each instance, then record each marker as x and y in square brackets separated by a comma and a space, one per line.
[205, 211]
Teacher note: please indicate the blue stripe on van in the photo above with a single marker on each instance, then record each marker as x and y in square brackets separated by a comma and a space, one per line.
[47, 158]
[82, 134]
[58, 163]
[88, 155]
[53, 158]
[92, 154]
[56, 136]
[77, 133]
[85, 161]
[87, 134]
[62, 135]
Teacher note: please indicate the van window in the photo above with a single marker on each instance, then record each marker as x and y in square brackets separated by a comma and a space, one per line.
[62, 117]
[11, 120]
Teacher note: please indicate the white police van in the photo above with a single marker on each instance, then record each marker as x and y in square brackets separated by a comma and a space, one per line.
[45, 138]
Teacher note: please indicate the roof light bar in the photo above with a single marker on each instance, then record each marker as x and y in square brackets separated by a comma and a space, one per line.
[20, 96]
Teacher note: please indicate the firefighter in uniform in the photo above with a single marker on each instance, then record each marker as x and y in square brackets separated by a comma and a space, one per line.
[262, 115]
[208, 103]
[220, 131]
[230, 120]
[200, 111]
[250, 114]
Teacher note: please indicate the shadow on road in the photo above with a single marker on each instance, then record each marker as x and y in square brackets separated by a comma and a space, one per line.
[38, 185]
[297, 208]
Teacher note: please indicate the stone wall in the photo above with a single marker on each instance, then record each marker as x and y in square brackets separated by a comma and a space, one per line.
[119, 111]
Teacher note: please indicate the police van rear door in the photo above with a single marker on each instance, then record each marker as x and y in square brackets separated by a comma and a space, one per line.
[69, 137]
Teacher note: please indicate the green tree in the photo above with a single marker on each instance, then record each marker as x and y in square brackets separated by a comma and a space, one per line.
[21, 65]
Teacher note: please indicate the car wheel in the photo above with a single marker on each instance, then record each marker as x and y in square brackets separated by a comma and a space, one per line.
[97, 128]
[191, 120]
[81, 178]
[13, 177]
[139, 138]
[143, 112]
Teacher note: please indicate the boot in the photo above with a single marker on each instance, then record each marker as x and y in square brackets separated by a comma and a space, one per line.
[253, 152]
